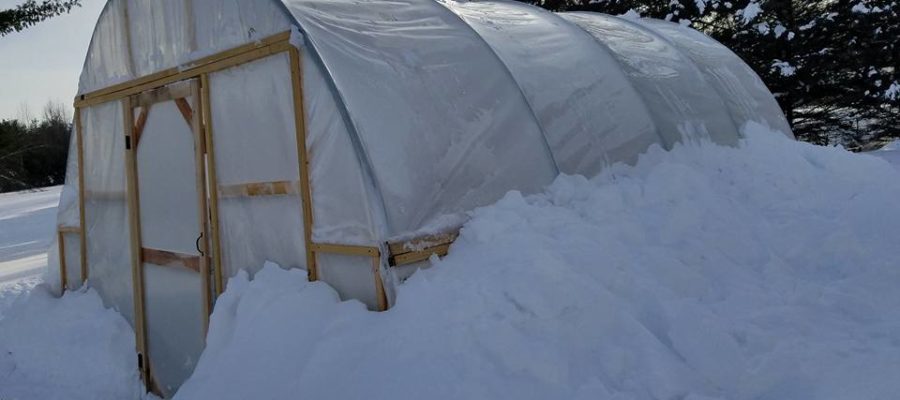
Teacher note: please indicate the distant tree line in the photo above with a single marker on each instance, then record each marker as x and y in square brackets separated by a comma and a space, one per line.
[33, 151]
[833, 65]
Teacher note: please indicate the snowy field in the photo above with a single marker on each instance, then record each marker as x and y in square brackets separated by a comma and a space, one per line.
[764, 272]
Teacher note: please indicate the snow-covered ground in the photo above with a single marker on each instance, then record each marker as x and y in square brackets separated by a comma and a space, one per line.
[763, 272]
[891, 152]
[49, 348]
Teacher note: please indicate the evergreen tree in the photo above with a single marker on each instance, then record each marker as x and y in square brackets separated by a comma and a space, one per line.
[31, 12]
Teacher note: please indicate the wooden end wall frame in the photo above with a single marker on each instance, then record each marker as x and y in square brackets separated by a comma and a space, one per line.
[141, 255]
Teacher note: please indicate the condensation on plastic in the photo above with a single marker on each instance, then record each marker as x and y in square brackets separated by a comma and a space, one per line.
[169, 215]
[588, 110]
[106, 213]
[442, 125]
[744, 93]
[681, 101]
[342, 211]
[252, 109]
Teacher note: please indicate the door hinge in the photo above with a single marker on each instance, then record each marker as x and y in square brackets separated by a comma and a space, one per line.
[127, 142]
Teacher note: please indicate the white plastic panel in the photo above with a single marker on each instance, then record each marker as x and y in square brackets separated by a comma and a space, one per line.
[167, 182]
[160, 34]
[683, 104]
[72, 246]
[174, 313]
[106, 213]
[590, 113]
[169, 221]
[222, 24]
[343, 211]
[440, 121]
[67, 211]
[255, 139]
[351, 276]
[744, 93]
[107, 60]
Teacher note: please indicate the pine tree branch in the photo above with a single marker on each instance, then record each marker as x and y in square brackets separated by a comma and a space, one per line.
[31, 12]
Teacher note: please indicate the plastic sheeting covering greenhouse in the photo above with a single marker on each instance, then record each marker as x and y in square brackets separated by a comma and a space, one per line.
[349, 138]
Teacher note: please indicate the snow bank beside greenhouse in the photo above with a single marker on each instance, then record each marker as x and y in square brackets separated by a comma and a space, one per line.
[767, 271]
[762, 272]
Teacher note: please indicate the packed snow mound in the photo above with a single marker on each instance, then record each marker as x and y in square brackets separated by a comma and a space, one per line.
[64, 348]
[890, 152]
[767, 271]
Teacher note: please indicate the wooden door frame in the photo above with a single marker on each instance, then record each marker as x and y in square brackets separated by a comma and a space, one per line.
[144, 101]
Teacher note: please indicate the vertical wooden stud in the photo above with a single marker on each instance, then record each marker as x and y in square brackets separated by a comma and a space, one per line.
[303, 161]
[79, 138]
[212, 183]
[61, 247]
[202, 213]
[134, 224]
[380, 295]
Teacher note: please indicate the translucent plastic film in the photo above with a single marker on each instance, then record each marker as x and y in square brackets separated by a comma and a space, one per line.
[589, 112]
[342, 206]
[134, 38]
[255, 139]
[744, 93]
[106, 213]
[72, 253]
[683, 104]
[439, 120]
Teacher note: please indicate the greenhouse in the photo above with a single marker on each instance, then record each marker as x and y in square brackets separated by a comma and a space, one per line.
[349, 139]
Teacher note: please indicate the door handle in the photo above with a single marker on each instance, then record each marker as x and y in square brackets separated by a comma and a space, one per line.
[197, 244]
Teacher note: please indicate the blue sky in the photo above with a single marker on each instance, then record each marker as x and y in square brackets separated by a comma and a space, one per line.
[43, 62]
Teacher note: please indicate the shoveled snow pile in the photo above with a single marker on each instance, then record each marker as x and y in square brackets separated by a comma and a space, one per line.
[69, 348]
[768, 271]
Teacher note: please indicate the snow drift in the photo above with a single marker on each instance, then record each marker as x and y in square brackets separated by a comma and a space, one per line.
[70, 348]
[767, 271]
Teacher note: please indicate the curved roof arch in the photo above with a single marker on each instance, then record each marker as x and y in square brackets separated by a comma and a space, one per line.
[450, 104]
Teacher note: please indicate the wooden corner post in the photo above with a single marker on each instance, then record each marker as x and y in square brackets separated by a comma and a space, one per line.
[61, 247]
[212, 184]
[79, 138]
[303, 161]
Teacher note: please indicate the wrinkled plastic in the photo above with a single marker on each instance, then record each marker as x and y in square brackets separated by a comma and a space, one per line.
[106, 213]
[589, 112]
[744, 93]
[135, 38]
[441, 123]
[683, 104]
